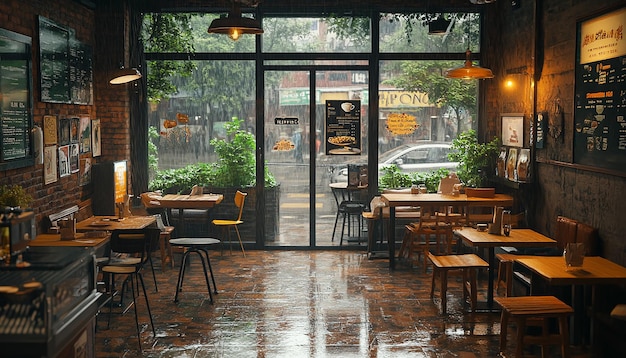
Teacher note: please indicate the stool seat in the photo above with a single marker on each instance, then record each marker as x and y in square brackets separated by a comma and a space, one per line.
[197, 245]
[468, 263]
[194, 241]
[521, 309]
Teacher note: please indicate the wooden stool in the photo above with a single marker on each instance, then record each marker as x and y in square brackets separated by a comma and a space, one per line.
[165, 247]
[521, 309]
[505, 271]
[468, 263]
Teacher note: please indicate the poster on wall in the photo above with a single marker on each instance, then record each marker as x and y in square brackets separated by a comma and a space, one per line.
[50, 164]
[49, 130]
[85, 171]
[343, 127]
[95, 138]
[74, 157]
[85, 134]
[64, 161]
[600, 98]
[64, 131]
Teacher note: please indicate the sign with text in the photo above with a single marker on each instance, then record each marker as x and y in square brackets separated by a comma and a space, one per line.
[343, 127]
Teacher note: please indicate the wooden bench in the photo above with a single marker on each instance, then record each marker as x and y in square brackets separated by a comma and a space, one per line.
[468, 263]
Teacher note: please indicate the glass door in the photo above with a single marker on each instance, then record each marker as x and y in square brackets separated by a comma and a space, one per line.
[300, 153]
[287, 152]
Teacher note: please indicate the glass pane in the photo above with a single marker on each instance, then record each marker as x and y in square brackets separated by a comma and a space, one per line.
[421, 112]
[287, 154]
[190, 125]
[316, 35]
[410, 33]
[167, 32]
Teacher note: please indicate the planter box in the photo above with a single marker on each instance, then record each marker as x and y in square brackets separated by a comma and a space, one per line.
[480, 192]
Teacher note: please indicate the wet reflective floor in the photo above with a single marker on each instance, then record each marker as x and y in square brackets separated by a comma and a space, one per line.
[301, 304]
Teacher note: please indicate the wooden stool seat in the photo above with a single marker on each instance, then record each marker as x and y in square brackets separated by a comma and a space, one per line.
[521, 309]
[468, 263]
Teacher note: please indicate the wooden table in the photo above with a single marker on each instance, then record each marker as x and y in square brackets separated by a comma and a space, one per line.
[393, 200]
[182, 202]
[517, 238]
[595, 271]
[80, 240]
[110, 223]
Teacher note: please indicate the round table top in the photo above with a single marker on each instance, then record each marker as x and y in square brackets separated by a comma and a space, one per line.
[194, 241]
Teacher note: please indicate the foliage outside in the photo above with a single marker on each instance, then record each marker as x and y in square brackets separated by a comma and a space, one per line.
[235, 167]
[392, 178]
[474, 158]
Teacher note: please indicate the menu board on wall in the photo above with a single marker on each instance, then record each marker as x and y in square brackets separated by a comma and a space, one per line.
[65, 65]
[15, 100]
[343, 127]
[600, 92]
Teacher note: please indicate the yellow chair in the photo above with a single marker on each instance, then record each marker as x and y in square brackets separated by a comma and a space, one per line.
[240, 198]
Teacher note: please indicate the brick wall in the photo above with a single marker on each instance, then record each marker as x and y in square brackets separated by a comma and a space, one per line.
[110, 104]
[560, 188]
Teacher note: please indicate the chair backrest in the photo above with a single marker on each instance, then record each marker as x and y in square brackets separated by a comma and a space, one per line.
[240, 198]
[376, 206]
[135, 241]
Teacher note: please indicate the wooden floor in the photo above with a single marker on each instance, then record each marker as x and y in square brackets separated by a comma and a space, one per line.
[301, 304]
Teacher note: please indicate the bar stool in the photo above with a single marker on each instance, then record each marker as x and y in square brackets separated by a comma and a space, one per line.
[199, 246]
[524, 308]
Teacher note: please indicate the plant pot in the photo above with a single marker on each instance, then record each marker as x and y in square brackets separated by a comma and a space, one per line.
[480, 192]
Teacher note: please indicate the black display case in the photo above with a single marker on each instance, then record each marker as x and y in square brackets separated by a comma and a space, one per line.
[48, 302]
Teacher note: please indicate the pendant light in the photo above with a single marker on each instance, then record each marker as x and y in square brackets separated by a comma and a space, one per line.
[234, 25]
[468, 71]
[124, 75]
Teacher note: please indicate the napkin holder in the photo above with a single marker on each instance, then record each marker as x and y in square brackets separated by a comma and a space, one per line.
[67, 228]
[496, 226]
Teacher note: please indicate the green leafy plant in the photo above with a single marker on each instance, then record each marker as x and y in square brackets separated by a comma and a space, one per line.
[474, 158]
[430, 179]
[392, 178]
[13, 196]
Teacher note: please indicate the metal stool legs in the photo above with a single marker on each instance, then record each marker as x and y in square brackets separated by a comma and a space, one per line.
[206, 261]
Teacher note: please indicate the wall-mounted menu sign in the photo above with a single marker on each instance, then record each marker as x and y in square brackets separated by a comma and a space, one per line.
[15, 100]
[343, 127]
[65, 65]
[600, 102]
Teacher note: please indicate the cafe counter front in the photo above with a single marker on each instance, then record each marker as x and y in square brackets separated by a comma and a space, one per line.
[48, 303]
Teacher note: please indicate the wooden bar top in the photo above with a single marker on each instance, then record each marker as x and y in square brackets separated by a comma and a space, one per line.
[595, 270]
[80, 240]
[408, 199]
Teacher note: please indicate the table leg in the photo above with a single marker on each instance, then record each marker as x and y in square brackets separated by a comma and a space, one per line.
[392, 237]
[490, 278]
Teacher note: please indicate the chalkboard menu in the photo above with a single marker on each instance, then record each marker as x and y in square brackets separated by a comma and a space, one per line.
[65, 65]
[15, 101]
[600, 90]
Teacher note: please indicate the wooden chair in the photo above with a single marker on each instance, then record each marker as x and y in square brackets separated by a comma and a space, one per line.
[164, 242]
[525, 308]
[240, 198]
[468, 263]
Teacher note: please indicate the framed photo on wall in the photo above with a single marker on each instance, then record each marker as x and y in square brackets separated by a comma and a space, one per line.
[513, 130]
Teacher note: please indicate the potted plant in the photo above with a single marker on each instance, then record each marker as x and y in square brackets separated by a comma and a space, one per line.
[474, 158]
[14, 196]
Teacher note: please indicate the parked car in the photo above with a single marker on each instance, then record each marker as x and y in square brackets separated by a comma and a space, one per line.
[410, 158]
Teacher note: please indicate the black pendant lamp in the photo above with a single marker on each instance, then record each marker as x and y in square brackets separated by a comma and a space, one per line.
[234, 25]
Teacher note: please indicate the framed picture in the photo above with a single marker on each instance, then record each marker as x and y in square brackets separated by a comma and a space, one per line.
[511, 164]
[64, 161]
[522, 165]
[64, 131]
[74, 129]
[513, 130]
